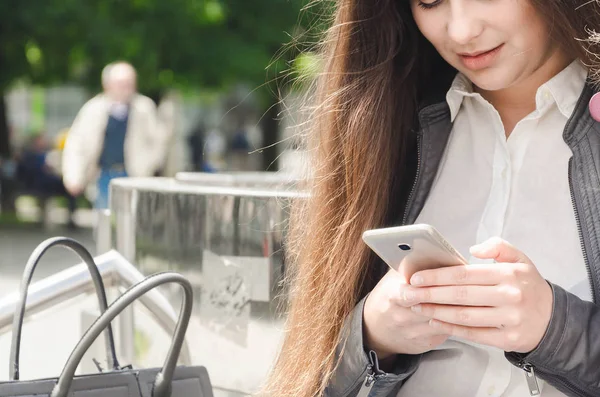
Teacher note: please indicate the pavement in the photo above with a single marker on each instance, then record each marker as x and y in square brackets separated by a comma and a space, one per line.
[17, 244]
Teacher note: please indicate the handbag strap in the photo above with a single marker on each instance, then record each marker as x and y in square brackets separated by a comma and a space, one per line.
[32, 263]
[162, 384]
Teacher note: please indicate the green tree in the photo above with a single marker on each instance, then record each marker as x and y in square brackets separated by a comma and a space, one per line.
[22, 25]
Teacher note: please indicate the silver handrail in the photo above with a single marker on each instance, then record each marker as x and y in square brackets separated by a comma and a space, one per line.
[115, 270]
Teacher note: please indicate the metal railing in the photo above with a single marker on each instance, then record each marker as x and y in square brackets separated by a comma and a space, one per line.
[75, 281]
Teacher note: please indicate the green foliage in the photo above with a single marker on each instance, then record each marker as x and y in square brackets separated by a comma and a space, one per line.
[172, 43]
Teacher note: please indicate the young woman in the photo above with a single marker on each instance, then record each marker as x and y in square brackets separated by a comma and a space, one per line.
[477, 117]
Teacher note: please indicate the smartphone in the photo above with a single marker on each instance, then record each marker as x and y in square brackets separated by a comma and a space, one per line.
[409, 249]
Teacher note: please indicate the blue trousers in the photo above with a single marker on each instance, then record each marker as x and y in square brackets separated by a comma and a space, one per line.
[102, 199]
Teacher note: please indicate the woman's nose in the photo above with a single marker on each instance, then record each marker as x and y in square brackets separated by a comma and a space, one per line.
[463, 26]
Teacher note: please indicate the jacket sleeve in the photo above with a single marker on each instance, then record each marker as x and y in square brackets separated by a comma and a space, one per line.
[355, 364]
[568, 357]
[156, 132]
[76, 156]
[166, 117]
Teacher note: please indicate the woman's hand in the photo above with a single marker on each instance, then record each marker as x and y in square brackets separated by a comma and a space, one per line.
[391, 327]
[506, 304]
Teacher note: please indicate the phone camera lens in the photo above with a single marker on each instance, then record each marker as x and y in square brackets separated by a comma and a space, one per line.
[404, 247]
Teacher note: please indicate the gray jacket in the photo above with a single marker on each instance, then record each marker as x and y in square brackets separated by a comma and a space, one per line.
[569, 355]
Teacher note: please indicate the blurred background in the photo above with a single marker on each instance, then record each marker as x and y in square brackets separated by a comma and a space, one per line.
[227, 69]
[229, 76]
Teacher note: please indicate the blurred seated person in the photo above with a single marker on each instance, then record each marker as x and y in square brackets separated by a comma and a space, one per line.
[36, 177]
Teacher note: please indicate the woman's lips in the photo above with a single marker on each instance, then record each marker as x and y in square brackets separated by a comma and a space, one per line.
[480, 60]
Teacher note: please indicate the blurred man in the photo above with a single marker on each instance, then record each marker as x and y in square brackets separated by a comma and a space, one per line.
[115, 134]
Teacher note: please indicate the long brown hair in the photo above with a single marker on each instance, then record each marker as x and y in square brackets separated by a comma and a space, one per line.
[378, 69]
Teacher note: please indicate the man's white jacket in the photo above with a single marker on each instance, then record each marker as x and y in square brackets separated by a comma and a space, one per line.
[145, 141]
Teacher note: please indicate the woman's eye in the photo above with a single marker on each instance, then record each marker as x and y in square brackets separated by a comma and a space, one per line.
[427, 5]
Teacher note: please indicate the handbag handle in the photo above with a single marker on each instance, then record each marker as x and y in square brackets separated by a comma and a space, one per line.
[32, 263]
[162, 384]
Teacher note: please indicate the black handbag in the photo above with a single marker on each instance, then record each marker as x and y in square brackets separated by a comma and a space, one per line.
[169, 381]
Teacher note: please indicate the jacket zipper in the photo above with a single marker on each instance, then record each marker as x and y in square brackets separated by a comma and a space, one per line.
[580, 231]
[367, 385]
[534, 389]
[373, 375]
[416, 181]
[530, 377]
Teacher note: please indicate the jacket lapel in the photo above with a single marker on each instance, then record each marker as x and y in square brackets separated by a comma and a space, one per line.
[582, 134]
[435, 128]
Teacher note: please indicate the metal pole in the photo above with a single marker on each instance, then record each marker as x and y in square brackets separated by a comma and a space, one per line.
[103, 232]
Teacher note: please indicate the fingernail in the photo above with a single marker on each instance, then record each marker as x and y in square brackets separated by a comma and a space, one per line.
[416, 280]
[409, 295]
[435, 324]
[416, 308]
[476, 248]
[481, 248]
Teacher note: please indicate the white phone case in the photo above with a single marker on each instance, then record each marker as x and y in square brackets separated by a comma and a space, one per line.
[409, 249]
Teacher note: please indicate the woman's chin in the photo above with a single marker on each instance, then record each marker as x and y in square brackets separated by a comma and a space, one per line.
[490, 82]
